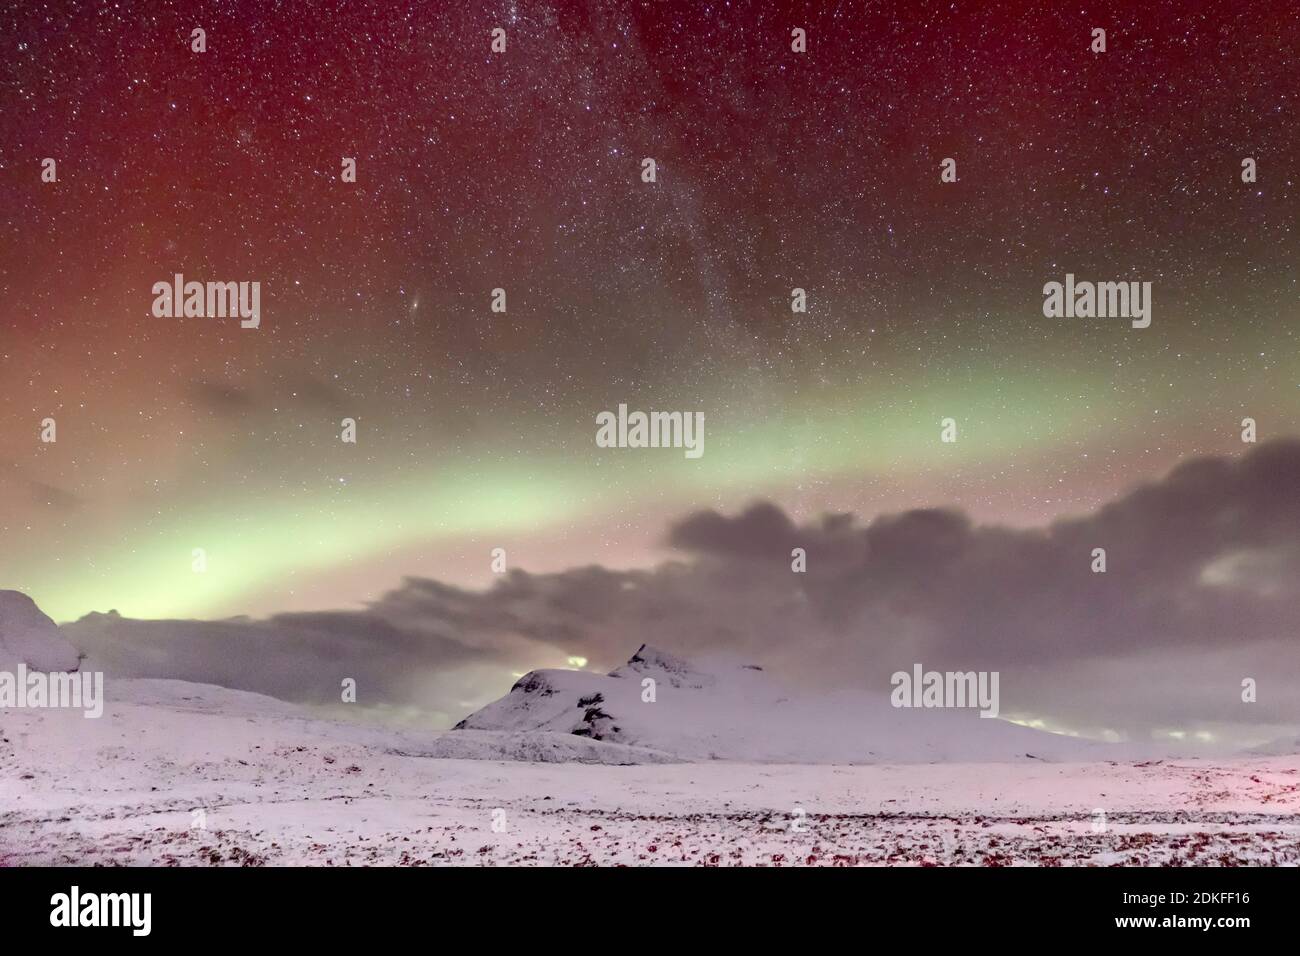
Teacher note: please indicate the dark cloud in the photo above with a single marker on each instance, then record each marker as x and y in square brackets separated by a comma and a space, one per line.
[220, 397]
[41, 492]
[1202, 589]
[227, 399]
[760, 530]
[297, 657]
[54, 496]
[318, 393]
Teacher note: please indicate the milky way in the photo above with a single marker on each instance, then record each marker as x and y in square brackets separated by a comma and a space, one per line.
[522, 170]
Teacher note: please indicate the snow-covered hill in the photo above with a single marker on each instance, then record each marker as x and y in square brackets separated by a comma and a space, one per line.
[27, 636]
[183, 773]
[722, 710]
[176, 772]
[1281, 746]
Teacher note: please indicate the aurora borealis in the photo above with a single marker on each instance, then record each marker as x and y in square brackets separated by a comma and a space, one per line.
[521, 170]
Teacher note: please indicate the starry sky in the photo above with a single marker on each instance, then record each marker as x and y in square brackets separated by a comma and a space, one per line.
[521, 170]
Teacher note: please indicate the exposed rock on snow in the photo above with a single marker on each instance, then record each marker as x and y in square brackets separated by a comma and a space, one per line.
[651, 662]
[27, 636]
[725, 710]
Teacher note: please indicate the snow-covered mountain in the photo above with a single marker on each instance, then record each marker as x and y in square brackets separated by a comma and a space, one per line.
[723, 710]
[29, 637]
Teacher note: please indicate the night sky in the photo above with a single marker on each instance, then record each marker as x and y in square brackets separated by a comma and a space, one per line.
[522, 170]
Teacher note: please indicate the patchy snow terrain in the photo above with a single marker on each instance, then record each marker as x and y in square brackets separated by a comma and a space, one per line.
[277, 787]
[724, 767]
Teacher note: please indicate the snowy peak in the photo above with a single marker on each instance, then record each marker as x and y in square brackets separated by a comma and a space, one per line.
[29, 637]
[593, 705]
[722, 710]
[651, 662]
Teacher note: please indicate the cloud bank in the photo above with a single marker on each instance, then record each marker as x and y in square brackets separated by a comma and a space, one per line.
[1201, 590]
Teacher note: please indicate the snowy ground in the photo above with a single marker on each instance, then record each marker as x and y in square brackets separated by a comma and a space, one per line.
[276, 788]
